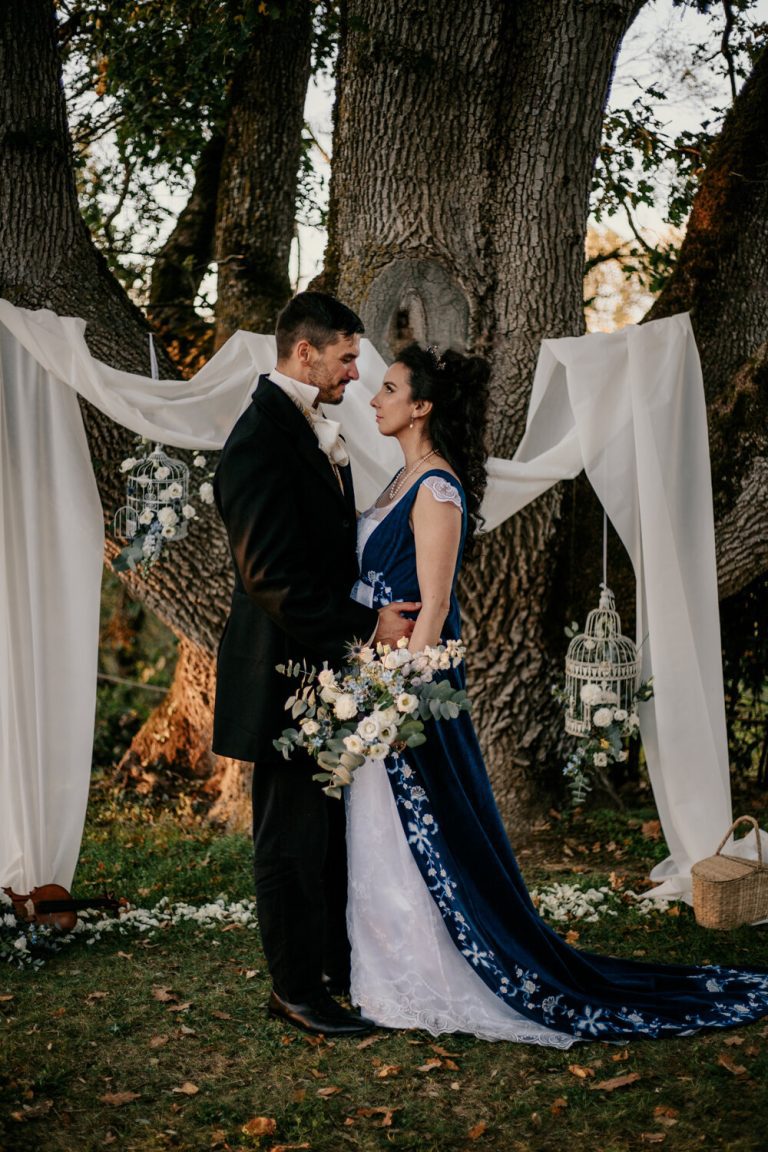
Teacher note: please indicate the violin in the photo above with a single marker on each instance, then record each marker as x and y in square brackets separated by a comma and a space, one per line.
[52, 904]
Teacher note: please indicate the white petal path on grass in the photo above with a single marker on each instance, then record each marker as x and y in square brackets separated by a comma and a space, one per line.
[557, 903]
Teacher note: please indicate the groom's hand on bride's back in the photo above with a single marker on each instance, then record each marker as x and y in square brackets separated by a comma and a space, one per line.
[393, 625]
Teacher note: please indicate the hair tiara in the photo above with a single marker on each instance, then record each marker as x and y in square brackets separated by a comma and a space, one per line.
[434, 352]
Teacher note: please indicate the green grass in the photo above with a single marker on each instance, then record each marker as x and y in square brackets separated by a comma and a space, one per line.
[89, 1025]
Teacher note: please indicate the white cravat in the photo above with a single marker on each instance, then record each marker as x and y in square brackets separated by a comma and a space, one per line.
[327, 431]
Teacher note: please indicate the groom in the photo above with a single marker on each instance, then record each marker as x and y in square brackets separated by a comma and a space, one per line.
[284, 491]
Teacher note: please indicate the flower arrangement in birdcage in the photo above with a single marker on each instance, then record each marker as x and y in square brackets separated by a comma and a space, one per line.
[601, 697]
[157, 509]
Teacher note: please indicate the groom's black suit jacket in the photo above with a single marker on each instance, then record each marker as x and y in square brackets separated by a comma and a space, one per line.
[292, 535]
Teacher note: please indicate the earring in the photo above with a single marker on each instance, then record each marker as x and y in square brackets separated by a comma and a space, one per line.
[411, 423]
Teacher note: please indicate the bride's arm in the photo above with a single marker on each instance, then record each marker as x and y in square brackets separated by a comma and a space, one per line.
[437, 534]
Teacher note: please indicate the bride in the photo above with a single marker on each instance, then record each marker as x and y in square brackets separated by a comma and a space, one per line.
[444, 934]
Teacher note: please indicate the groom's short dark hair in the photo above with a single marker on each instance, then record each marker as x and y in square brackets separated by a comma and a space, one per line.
[316, 317]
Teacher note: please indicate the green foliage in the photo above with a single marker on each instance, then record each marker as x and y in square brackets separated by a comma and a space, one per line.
[136, 655]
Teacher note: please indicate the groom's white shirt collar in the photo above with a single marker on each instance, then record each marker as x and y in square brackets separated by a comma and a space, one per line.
[327, 431]
[305, 394]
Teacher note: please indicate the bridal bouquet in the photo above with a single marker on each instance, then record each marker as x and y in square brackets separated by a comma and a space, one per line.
[376, 705]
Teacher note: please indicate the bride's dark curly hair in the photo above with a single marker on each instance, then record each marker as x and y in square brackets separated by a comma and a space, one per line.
[457, 386]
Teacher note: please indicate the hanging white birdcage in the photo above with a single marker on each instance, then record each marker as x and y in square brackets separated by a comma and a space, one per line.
[157, 492]
[602, 669]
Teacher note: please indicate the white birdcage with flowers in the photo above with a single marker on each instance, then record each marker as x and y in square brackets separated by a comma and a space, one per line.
[157, 491]
[602, 669]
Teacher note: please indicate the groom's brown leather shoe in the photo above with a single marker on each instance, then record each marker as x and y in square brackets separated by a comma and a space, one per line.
[320, 1015]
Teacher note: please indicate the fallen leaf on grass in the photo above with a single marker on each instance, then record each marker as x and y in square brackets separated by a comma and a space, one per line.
[387, 1070]
[250, 973]
[158, 1041]
[620, 1056]
[331, 1090]
[164, 995]
[616, 1082]
[288, 1147]
[92, 996]
[559, 1105]
[185, 1031]
[187, 1089]
[367, 1042]
[580, 1071]
[442, 1051]
[221, 1015]
[652, 1137]
[387, 1114]
[180, 1007]
[730, 1066]
[125, 955]
[665, 1116]
[260, 1126]
[4, 999]
[651, 830]
[572, 936]
[32, 1111]
[117, 1099]
[477, 1130]
[430, 1065]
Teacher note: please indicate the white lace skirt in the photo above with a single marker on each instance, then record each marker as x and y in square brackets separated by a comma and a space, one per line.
[406, 970]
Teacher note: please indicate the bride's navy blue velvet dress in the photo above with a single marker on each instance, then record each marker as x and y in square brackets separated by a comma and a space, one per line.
[457, 839]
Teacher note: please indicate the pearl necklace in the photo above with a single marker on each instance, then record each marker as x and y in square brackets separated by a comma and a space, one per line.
[402, 475]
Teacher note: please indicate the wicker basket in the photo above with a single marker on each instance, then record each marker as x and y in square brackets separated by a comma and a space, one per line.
[729, 891]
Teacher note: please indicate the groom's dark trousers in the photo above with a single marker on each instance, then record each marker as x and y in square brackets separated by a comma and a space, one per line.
[290, 520]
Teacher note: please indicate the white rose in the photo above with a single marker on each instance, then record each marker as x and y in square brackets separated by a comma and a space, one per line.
[608, 697]
[199, 461]
[366, 655]
[174, 491]
[407, 702]
[326, 677]
[310, 727]
[378, 751]
[188, 512]
[345, 706]
[167, 517]
[634, 720]
[620, 715]
[402, 642]
[368, 729]
[602, 718]
[391, 660]
[590, 694]
[143, 481]
[126, 465]
[387, 715]
[621, 757]
[600, 760]
[146, 516]
[206, 493]
[169, 532]
[388, 733]
[162, 473]
[21, 944]
[354, 744]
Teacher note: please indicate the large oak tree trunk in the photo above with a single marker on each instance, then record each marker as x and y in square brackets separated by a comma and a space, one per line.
[464, 145]
[257, 198]
[721, 279]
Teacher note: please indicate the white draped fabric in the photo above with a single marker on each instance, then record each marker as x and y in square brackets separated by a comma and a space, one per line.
[628, 407]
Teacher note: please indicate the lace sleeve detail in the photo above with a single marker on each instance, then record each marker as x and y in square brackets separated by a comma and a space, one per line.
[443, 490]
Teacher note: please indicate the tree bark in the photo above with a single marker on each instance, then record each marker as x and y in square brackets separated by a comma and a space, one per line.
[720, 278]
[463, 151]
[180, 266]
[257, 197]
